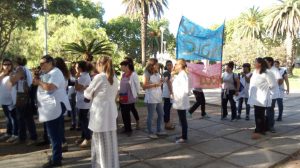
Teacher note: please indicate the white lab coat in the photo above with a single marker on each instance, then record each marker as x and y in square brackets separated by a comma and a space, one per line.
[134, 83]
[103, 111]
[260, 89]
[181, 90]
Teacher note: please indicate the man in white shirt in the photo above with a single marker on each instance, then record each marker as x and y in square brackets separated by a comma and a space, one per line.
[274, 93]
[282, 90]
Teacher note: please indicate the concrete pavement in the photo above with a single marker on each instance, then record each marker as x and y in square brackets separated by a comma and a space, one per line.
[212, 143]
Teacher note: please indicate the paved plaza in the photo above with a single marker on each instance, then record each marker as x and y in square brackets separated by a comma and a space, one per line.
[212, 144]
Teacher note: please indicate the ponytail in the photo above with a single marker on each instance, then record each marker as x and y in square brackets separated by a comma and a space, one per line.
[108, 68]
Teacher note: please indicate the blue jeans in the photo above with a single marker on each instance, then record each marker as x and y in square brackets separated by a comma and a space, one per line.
[167, 109]
[159, 109]
[270, 115]
[240, 106]
[280, 107]
[11, 121]
[26, 122]
[183, 122]
[55, 133]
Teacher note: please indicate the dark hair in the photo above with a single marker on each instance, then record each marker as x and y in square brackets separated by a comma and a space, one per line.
[83, 66]
[20, 60]
[263, 63]
[230, 64]
[270, 60]
[168, 62]
[247, 65]
[6, 60]
[72, 68]
[277, 62]
[61, 65]
[49, 59]
[131, 64]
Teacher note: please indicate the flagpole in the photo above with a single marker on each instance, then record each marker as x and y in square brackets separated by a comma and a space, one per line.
[46, 29]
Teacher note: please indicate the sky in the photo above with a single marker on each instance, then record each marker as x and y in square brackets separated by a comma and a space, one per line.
[203, 12]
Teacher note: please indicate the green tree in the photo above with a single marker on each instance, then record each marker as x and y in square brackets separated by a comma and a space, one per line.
[250, 24]
[142, 9]
[154, 38]
[62, 30]
[88, 49]
[125, 32]
[13, 14]
[284, 20]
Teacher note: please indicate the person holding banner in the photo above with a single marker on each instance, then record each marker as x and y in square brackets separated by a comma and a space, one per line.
[230, 88]
[153, 96]
[261, 84]
[181, 96]
[245, 77]
[200, 100]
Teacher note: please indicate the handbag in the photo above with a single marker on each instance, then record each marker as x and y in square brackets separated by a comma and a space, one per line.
[22, 99]
[123, 97]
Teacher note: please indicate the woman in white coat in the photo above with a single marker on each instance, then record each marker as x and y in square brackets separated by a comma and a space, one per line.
[102, 92]
[181, 96]
[261, 83]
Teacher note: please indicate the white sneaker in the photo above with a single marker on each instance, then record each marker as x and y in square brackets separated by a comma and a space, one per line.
[153, 136]
[85, 144]
[12, 139]
[4, 137]
[161, 133]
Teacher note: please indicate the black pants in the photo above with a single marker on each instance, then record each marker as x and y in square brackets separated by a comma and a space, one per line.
[183, 121]
[200, 100]
[84, 122]
[228, 96]
[125, 111]
[260, 120]
[167, 109]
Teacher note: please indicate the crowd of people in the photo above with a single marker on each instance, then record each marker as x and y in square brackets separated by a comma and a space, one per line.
[89, 92]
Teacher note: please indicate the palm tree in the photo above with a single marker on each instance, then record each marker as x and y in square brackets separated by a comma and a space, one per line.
[88, 50]
[142, 8]
[154, 27]
[284, 19]
[251, 23]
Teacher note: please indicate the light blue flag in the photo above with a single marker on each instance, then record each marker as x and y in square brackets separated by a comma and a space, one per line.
[196, 43]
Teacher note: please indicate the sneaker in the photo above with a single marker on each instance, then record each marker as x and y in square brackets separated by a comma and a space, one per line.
[137, 126]
[205, 116]
[247, 118]
[272, 130]
[4, 137]
[180, 141]
[12, 139]
[32, 142]
[51, 164]
[224, 118]
[279, 119]
[189, 115]
[238, 117]
[79, 141]
[161, 133]
[256, 136]
[152, 136]
[169, 126]
[234, 120]
[85, 144]
[64, 147]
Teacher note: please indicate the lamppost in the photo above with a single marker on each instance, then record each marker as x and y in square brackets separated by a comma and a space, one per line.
[162, 29]
[46, 28]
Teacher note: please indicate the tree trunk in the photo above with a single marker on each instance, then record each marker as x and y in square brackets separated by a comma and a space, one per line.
[144, 22]
[290, 57]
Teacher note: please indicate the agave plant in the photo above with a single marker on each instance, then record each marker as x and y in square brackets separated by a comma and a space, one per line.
[88, 50]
